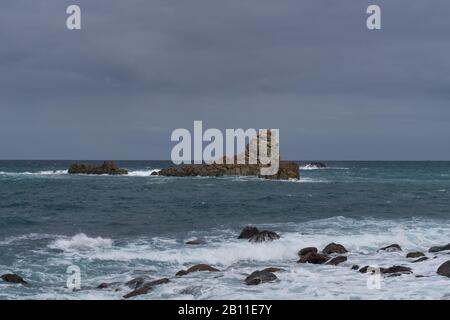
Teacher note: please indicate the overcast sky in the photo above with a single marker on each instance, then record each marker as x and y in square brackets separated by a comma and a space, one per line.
[139, 69]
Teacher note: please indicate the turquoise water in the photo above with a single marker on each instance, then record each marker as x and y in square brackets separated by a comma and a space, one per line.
[115, 228]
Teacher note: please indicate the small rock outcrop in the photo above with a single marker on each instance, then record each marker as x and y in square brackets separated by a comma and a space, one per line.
[415, 254]
[391, 270]
[259, 277]
[248, 232]
[391, 248]
[440, 248]
[13, 278]
[304, 251]
[355, 267]
[444, 269]
[314, 258]
[337, 260]
[146, 287]
[273, 269]
[108, 167]
[420, 259]
[334, 248]
[196, 268]
[263, 236]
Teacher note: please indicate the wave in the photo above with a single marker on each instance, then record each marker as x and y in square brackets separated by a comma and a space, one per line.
[312, 167]
[80, 242]
[38, 173]
[142, 173]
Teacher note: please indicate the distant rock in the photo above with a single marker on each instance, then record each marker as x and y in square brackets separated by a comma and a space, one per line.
[195, 242]
[440, 248]
[306, 250]
[444, 269]
[146, 287]
[248, 232]
[13, 278]
[263, 236]
[314, 258]
[259, 277]
[108, 167]
[196, 268]
[334, 248]
[337, 260]
[391, 248]
[420, 259]
[415, 254]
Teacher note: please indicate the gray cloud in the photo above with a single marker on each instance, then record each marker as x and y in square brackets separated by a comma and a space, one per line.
[139, 69]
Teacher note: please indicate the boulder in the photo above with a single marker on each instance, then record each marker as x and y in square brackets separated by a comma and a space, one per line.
[273, 270]
[195, 242]
[391, 248]
[440, 248]
[108, 167]
[444, 269]
[396, 269]
[337, 260]
[136, 282]
[306, 250]
[146, 287]
[334, 248]
[264, 236]
[314, 258]
[13, 278]
[355, 267]
[420, 259]
[415, 254]
[259, 277]
[248, 232]
[196, 268]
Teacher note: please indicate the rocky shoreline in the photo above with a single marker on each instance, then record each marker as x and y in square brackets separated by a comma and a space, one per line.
[334, 254]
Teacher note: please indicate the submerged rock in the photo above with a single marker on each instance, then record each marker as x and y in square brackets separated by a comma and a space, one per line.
[440, 248]
[444, 269]
[248, 232]
[306, 250]
[415, 254]
[355, 267]
[314, 258]
[391, 248]
[334, 248]
[273, 269]
[337, 260]
[13, 278]
[263, 236]
[146, 287]
[420, 259]
[195, 242]
[259, 277]
[108, 167]
[196, 268]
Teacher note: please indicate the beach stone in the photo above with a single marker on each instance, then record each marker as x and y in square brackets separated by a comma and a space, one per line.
[391, 248]
[314, 258]
[337, 260]
[440, 248]
[196, 268]
[306, 250]
[415, 254]
[444, 269]
[259, 277]
[420, 259]
[264, 236]
[146, 287]
[108, 167]
[248, 232]
[334, 248]
[13, 278]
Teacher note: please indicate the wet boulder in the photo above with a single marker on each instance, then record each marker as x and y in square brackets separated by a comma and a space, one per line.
[415, 254]
[264, 236]
[337, 260]
[334, 248]
[391, 248]
[304, 251]
[196, 268]
[396, 269]
[314, 258]
[420, 259]
[273, 269]
[355, 267]
[444, 269]
[440, 248]
[195, 242]
[146, 287]
[248, 232]
[13, 278]
[259, 277]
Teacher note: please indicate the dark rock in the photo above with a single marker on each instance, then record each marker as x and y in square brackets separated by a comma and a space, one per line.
[195, 242]
[146, 287]
[420, 259]
[103, 285]
[264, 236]
[314, 258]
[444, 269]
[334, 248]
[13, 278]
[196, 268]
[136, 282]
[440, 248]
[391, 248]
[337, 260]
[259, 277]
[304, 251]
[355, 267]
[396, 269]
[273, 270]
[108, 167]
[248, 232]
[415, 254]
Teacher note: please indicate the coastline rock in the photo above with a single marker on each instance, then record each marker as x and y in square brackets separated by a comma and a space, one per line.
[334, 248]
[391, 270]
[108, 167]
[263, 236]
[146, 287]
[195, 242]
[415, 254]
[391, 248]
[440, 248]
[248, 232]
[13, 278]
[259, 277]
[444, 269]
[355, 267]
[273, 269]
[314, 258]
[420, 259]
[337, 260]
[196, 268]
[316, 165]
[136, 282]
[306, 250]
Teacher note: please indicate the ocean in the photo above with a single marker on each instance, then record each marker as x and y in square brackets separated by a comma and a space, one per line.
[116, 228]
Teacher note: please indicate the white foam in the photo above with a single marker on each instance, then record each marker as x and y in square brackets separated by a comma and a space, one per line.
[38, 173]
[81, 242]
[142, 173]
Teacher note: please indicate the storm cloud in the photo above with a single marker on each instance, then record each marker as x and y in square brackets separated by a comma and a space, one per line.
[140, 69]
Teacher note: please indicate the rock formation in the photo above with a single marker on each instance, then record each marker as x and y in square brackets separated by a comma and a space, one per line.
[108, 167]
